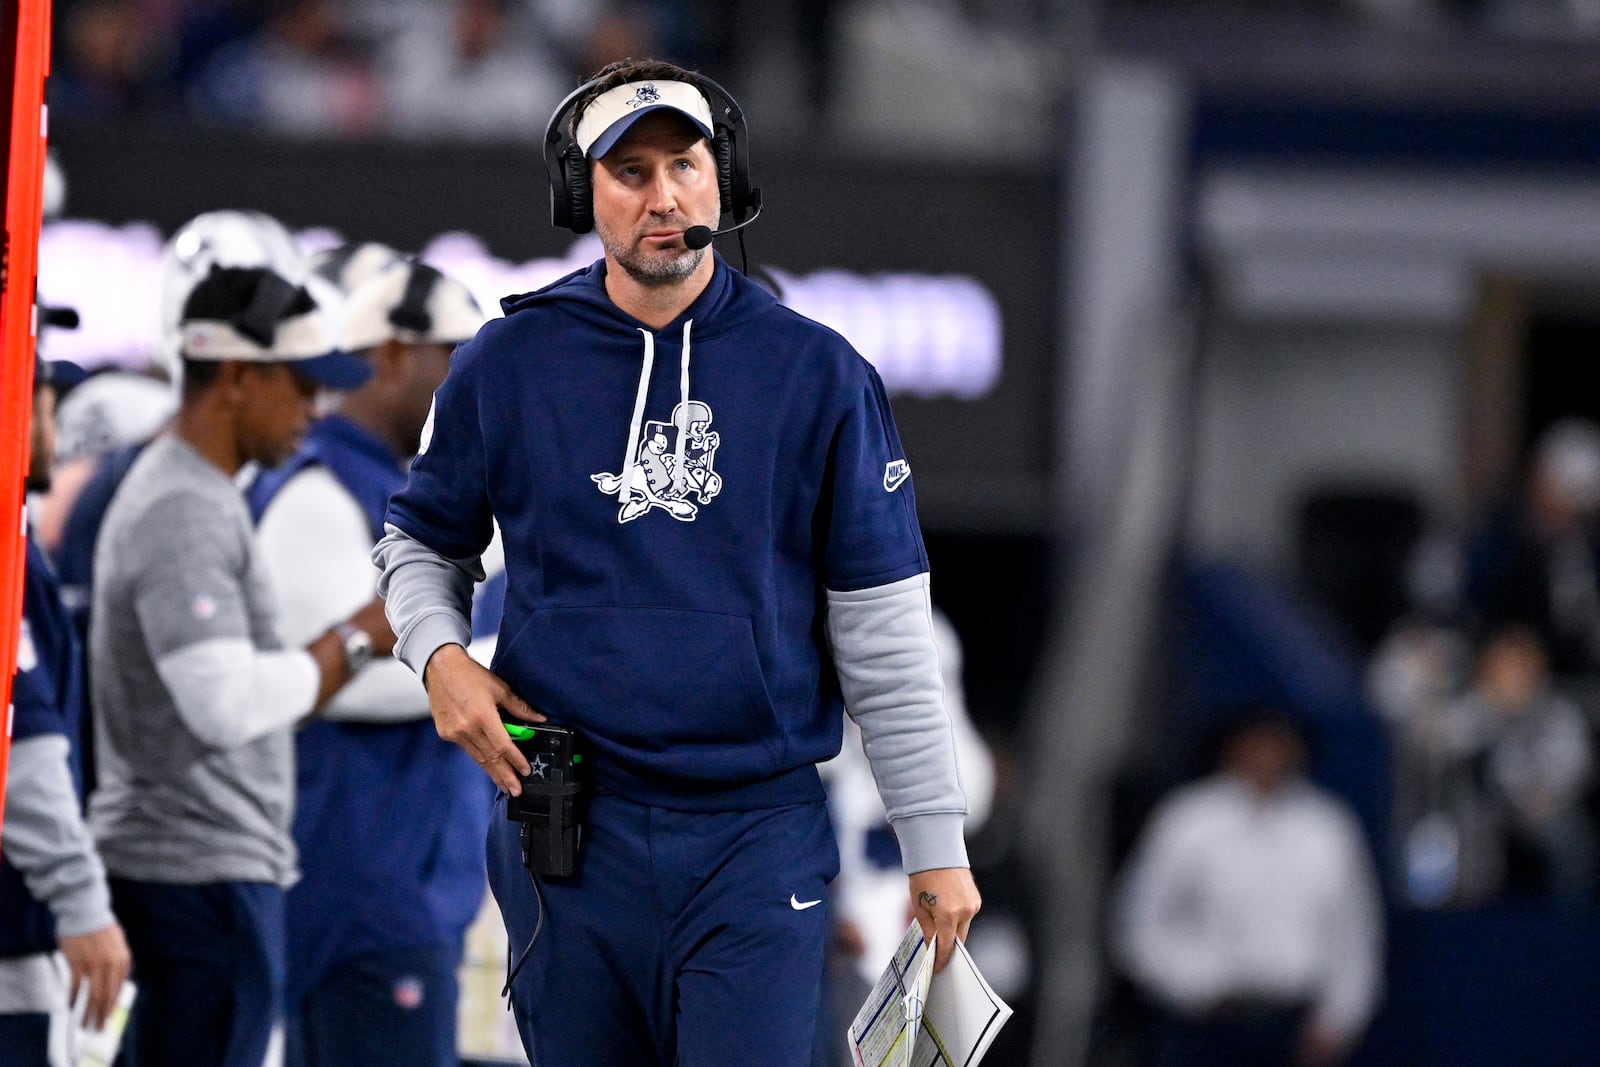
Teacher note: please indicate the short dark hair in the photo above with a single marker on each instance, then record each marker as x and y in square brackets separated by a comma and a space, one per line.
[1234, 722]
[628, 70]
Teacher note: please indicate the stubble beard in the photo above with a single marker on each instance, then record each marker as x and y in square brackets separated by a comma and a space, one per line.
[668, 266]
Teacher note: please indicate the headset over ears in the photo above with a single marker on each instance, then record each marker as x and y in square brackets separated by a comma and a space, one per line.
[572, 194]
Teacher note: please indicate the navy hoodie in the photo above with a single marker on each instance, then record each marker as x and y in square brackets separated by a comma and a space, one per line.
[47, 698]
[674, 505]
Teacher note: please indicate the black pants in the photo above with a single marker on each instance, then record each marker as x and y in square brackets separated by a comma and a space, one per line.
[24, 1040]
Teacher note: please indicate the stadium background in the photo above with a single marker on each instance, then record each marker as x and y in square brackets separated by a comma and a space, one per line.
[1248, 258]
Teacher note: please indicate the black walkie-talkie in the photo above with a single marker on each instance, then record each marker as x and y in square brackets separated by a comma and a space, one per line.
[550, 807]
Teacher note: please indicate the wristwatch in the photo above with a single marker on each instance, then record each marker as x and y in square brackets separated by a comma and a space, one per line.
[357, 645]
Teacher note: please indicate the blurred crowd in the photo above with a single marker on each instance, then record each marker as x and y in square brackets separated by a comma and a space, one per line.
[461, 69]
[851, 71]
[1489, 685]
[482, 69]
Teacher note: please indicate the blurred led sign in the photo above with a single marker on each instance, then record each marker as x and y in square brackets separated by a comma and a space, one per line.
[931, 336]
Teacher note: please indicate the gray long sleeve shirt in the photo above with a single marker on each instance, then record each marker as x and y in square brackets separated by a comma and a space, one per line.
[194, 698]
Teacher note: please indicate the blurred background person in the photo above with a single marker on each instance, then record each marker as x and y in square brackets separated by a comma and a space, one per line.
[108, 63]
[195, 695]
[109, 420]
[389, 818]
[1446, 830]
[1535, 759]
[58, 936]
[305, 71]
[1249, 911]
[109, 410]
[1534, 559]
[478, 69]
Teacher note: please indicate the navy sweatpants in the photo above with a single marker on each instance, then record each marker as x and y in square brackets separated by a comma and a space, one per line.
[209, 963]
[687, 938]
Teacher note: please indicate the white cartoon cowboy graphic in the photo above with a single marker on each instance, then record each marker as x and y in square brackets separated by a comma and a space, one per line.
[693, 419]
[674, 460]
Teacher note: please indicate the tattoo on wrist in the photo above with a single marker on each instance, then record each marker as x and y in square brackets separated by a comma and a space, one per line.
[927, 899]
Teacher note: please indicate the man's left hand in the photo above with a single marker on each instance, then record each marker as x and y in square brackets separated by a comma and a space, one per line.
[944, 901]
[98, 961]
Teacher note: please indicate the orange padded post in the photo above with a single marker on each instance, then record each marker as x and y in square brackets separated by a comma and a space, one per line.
[25, 51]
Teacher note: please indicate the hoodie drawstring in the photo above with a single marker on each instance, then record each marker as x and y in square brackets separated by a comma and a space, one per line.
[636, 425]
[683, 409]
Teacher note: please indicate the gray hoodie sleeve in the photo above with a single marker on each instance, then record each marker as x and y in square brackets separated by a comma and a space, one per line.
[44, 837]
[888, 664]
[427, 597]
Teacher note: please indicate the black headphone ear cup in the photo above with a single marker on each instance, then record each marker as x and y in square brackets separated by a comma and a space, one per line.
[722, 149]
[580, 193]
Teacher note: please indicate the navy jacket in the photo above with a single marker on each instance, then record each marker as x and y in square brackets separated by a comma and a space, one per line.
[674, 504]
[47, 695]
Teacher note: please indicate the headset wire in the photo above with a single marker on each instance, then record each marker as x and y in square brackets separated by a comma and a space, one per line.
[513, 971]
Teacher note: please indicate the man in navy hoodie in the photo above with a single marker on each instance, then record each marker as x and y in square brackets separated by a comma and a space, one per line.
[701, 635]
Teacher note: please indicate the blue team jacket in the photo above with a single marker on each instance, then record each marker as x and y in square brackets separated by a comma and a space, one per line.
[47, 695]
[389, 818]
[674, 503]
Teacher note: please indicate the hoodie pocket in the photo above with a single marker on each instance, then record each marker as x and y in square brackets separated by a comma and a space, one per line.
[670, 692]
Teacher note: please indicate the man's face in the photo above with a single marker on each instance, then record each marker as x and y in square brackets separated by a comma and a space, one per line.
[275, 413]
[659, 180]
[42, 439]
[1265, 756]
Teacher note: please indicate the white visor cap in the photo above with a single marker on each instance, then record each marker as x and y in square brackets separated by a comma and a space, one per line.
[308, 340]
[613, 112]
[243, 239]
[412, 303]
[348, 265]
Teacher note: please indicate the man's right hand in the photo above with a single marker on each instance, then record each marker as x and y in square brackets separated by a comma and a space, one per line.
[465, 698]
[100, 961]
